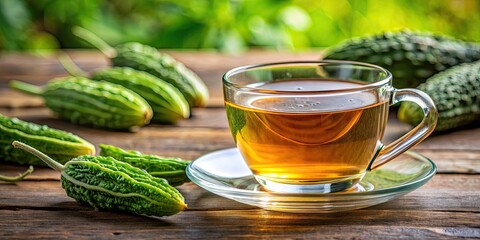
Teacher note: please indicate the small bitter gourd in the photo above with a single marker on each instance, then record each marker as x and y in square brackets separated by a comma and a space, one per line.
[168, 104]
[149, 59]
[106, 183]
[59, 144]
[171, 169]
[87, 102]
[412, 57]
[456, 93]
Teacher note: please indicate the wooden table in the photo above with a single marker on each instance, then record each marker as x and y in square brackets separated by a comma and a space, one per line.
[446, 207]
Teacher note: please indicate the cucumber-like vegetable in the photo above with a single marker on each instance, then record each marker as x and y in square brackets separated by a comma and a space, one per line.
[171, 169]
[18, 178]
[162, 65]
[148, 59]
[412, 57]
[168, 104]
[59, 144]
[105, 183]
[87, 102]
[456, 93]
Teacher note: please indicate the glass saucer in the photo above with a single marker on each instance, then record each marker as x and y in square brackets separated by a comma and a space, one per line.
[224, 173]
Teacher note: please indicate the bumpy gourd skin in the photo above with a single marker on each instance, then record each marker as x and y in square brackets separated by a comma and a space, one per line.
[56, 143]
[99, 104]
[168, 104]
[163, 66]
[411, 57]
[456, 93]
[171, 169]
[105, 183]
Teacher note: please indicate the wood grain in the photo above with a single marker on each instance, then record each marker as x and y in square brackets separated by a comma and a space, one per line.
[458, 193]
[246, 224]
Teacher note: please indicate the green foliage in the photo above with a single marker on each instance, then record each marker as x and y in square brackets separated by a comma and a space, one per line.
[227, 25]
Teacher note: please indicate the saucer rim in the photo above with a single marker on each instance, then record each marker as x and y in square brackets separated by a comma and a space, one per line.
[399, 188]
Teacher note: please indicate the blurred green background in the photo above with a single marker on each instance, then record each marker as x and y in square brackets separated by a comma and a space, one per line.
[227, 25]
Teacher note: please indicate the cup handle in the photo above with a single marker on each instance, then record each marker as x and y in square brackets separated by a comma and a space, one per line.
[414, 136]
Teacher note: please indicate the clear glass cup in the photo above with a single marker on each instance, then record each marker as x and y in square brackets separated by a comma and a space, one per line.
[317, 126]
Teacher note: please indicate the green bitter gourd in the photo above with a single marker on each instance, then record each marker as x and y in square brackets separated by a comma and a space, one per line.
[87, 102]
[149, 59]
[171, 169]
[412, 57]
[168, 104]
[456, 93]
[106, 183]
[59, 144]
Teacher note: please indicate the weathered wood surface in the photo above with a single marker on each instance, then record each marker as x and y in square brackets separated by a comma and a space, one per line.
[446, 207]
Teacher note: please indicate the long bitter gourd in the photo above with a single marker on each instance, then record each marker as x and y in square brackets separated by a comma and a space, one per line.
[87, 102]
[411, 57]
[171, 169]
[59, 144]
[456, 93]
[168, 104]
[106, 183]
[149, 59]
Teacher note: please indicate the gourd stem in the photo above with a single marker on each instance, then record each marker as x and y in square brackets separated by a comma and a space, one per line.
[94, 40]
[46, 159]
[17, 178]
[69, 66]
[26, 87]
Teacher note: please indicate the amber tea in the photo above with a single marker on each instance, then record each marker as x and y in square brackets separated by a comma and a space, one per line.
[308, 139]
[317, 126]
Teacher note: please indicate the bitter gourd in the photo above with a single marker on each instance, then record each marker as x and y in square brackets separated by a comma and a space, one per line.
[411, 57]
[456, 93]
[18, 178]
[59, 144]
[148, 59]
[87, 102]
[171, 169]
[106, 183]
[168, 104]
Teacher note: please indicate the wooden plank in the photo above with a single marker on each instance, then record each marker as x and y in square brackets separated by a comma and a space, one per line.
[442, 193]
[239, 224]
[31, 205]
[40, 173]
[12, 99]
[453, 161]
